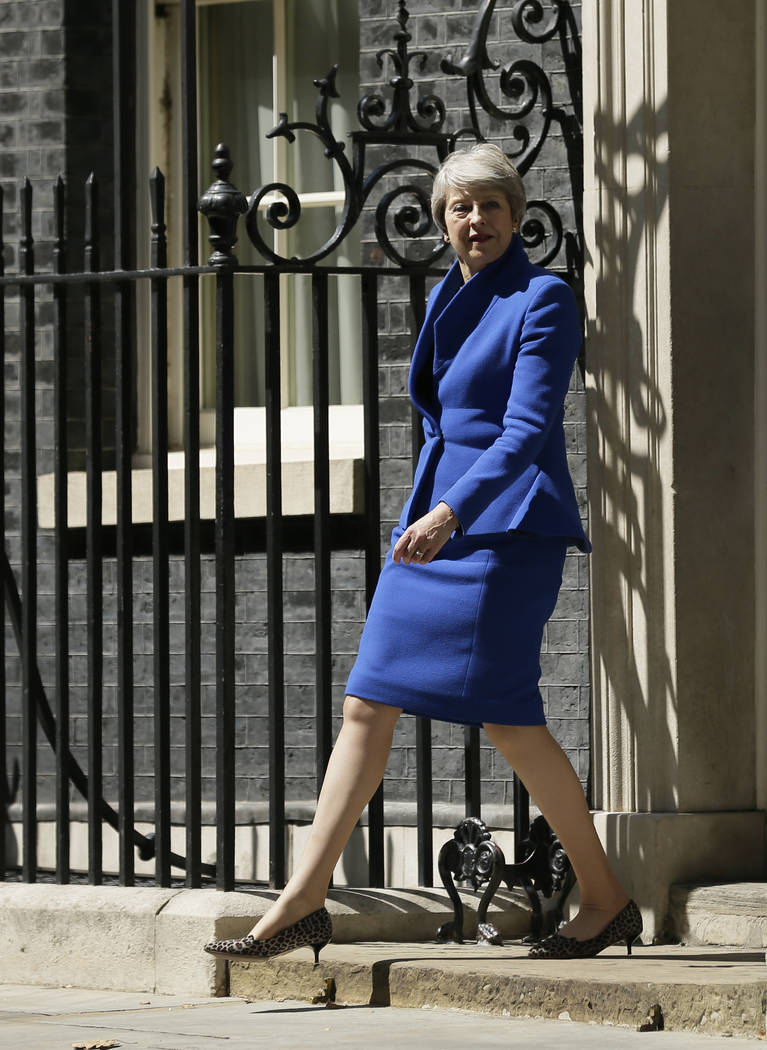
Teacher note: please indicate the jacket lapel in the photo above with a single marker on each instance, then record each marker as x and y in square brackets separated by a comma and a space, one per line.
[420, 384]
[465, 310]
[454, 313]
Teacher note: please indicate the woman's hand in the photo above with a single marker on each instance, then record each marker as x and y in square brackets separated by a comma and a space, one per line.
[425, 538]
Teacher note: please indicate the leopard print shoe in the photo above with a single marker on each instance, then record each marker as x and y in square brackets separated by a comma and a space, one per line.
[315, 930]
[626, 926]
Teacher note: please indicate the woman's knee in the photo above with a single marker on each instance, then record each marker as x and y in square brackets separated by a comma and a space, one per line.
[514, 739]
[370, 715]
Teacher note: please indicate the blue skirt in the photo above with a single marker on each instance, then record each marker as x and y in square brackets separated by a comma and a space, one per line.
[459, 639]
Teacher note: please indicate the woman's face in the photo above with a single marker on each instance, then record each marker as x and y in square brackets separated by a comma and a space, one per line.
[479, 226]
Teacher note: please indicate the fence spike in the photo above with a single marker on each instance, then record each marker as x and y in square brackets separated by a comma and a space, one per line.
[59, 204]
[157, 200]
[91, 223]
[26, 242]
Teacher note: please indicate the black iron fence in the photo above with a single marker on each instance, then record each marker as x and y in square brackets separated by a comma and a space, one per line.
[84, 293]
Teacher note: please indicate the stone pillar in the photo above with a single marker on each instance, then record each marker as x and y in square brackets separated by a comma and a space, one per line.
[669, 113]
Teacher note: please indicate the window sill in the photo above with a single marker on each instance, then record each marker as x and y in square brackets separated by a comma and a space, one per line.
[347, 474]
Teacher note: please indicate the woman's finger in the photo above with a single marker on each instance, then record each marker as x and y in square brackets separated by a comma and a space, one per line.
[414, 553]
[402, 548]
[409, 548]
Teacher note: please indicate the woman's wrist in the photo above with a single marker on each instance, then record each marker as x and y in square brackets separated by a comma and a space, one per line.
[449, 516]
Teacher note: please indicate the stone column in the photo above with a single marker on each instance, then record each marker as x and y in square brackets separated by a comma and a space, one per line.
[669, 111]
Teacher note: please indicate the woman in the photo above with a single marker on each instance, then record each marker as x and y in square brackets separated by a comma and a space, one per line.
[454, 629]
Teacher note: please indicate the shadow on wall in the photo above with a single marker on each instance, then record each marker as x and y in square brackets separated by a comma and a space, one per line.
[630, 424]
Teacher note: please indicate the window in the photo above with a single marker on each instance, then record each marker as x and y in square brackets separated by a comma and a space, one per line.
[256, 59]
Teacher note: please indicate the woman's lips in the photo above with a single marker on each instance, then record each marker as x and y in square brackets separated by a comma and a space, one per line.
[479, 238]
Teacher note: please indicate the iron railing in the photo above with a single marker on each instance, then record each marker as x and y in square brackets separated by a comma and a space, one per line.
[528, 98]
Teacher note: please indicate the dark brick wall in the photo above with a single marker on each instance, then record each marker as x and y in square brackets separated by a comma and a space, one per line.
[32, 145]
[251, 673]
[55, 102]
[54, 98]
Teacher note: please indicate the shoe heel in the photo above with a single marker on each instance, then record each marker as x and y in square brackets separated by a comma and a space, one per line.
[317, 948]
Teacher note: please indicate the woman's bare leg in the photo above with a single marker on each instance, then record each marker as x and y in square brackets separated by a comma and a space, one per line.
[356, 768]
[545, 770]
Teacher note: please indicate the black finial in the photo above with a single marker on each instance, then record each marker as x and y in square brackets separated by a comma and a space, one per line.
[222, 163]
[403, 14]
[222, 204]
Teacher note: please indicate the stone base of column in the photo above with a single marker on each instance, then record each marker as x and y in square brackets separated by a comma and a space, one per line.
[653, 851]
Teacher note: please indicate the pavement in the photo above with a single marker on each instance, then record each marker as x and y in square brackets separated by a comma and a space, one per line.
[37, 1018]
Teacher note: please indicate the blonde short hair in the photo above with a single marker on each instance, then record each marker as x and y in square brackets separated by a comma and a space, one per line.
[483, 165]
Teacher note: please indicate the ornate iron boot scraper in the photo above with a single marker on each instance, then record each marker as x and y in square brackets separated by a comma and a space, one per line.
[544, 873]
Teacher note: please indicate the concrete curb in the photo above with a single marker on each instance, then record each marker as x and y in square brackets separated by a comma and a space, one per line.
[150, 939]
[710, 990]
[87, 936]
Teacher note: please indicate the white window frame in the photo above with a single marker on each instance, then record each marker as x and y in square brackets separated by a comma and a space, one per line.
[161, 145]
[158, 83]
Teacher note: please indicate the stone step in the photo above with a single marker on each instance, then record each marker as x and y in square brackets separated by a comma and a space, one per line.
[720, 914]
[710, 990]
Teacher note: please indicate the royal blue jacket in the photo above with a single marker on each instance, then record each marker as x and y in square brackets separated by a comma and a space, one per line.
[489, 375]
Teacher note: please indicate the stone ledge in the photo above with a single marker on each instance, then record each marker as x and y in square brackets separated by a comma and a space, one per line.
[347, 492]
[720, 913]
[251, 848]
[346, 467]
[399, 813]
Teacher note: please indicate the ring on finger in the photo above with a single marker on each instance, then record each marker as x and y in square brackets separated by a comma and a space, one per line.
[419, 554]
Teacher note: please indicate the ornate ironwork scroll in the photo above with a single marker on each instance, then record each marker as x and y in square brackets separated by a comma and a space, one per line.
[544, 873]
[401, 120]
[524, 112]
